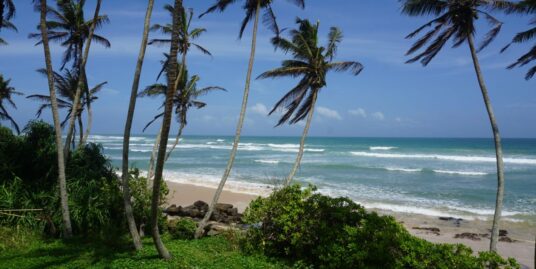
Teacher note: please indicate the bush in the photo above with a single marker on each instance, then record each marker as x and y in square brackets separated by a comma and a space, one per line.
[315, 230]
[142, 194]
[183, 229]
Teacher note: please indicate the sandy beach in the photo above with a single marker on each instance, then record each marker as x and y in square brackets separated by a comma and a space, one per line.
[522, 249]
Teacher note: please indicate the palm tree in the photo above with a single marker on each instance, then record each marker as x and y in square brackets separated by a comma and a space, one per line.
[527, 6]
[7, 25]
[252, 9]
[68, 26]
[66, 86]
[67, 228]
[456, 20]
[184, 99]
[7, 11]
[172, 76]
[312, 63]
[6, 93]
[128, 126]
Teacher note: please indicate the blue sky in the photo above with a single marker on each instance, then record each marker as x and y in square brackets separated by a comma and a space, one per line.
[389, 98]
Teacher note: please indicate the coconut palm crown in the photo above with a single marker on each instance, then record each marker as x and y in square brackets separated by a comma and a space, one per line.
[185, 34]
[529, 7]
[7, 11]
[6, 94]
[312, 63]
[67, 25]
[250, 7]
[66, 85]
[456, 21]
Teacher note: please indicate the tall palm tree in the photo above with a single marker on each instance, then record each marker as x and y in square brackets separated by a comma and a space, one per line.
[456, 20]
[7, 11]
[6, 93]
[68, 26]
[128, 126]
[185, 98]
[66, 85]
[67, 228]
[529, 7]
[186, 38]
[312, 63]
[252, 9]
[172, 76]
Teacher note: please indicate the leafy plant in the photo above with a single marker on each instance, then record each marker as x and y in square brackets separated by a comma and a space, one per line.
[311, 229]
[183, 228]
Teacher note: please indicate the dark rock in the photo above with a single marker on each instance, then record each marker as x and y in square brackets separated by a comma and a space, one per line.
[455, 221]
[223, 207]
[506, 239]
[433, 230]
[172, 210]
[503, 232]
[470, 236]
[201, 205]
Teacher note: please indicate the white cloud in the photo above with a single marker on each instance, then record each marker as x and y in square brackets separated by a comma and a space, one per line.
[260, 109]
[359, 112]
[329, 113]
[378, 115]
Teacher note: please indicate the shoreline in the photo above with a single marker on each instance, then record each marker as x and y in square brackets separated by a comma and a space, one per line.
[522, 249]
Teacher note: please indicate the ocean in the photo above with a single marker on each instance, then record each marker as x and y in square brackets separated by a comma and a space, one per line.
[431, 176]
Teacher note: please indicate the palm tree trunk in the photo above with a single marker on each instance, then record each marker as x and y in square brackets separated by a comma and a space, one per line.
[128, 127]
[67, 229]
[150, 173]
[201, 227]
[302, 141]
[89, 112]
[82, 70]
[177, 139]
[498, 149]
[166, 123]
[81, 128]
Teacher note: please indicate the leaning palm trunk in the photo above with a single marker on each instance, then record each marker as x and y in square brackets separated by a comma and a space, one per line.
[173, 76]
[128, 126]
[81, 77]
[302, 142]
[89, 113]
[150, 173]
[81, 128]
[67, 229]
[177, 139]
[498, 149]
[201, 227]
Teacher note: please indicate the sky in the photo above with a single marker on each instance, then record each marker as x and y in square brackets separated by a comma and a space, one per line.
[388, 99]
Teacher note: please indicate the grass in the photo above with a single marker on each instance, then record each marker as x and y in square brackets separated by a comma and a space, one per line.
[21, 250]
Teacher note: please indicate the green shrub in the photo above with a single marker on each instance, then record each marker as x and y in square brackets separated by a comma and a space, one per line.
[323, 232]
[183, 229]
[142, 194]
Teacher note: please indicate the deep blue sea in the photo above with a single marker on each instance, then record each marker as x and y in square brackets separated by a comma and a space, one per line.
[431, 176]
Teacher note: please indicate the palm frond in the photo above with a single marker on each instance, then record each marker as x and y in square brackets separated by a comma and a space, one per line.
[354, 67]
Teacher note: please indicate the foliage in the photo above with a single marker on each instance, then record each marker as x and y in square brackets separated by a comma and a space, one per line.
[183, 228]
[95, 197]
[141, 193]
[316, 230]
[210, 252]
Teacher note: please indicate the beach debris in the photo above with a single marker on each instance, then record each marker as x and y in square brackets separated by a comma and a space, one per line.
[432, 230]
[470, 236]
[507, 239]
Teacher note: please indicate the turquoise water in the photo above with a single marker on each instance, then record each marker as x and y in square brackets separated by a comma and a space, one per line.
[432, 176]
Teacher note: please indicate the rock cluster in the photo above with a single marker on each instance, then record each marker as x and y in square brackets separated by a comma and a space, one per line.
[223, 213]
